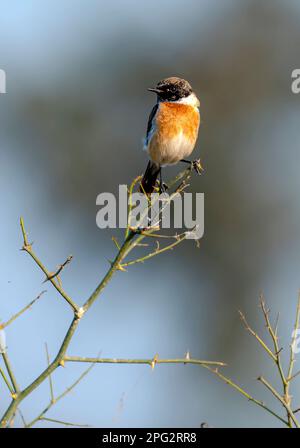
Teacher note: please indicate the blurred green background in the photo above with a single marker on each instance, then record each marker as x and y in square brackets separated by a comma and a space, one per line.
[72, 124]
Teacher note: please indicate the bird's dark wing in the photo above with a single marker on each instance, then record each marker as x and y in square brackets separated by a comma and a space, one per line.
[150, 122]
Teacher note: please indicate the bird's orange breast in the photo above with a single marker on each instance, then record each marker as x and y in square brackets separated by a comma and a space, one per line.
[175, 118]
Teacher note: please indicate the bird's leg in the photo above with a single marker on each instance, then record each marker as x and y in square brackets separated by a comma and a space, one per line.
[162, 186]
[195, 164]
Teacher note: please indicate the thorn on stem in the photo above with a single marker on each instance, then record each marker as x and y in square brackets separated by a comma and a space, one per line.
[154, 361]
[120, 267]
[52, 275]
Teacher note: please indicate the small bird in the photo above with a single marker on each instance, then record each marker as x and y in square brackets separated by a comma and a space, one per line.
[172, 129]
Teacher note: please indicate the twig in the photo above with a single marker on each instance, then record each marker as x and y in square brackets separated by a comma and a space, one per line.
[274, 337]
[10, 373]
[43, 376]
[290, 375]
[148, 361]
[257, 337]
[185, 175]
[116, 242]
[153, 254]
[59, 269]
[140, 232]
[80, 378]
[246, 394]
[5, 324]
[22, 417]
[276, 324]
[294, 376]
[133, 184]
[115, 265]
[157, 235]
[6, 382]
[52, 399]
[281, 399]
[28, 248]
[61, 422]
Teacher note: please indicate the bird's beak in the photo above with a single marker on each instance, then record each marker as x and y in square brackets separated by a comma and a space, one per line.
[155, 90]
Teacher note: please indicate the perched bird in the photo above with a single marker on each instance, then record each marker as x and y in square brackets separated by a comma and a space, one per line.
[172, 129]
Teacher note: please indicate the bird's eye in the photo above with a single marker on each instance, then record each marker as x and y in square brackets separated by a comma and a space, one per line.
[173, 89]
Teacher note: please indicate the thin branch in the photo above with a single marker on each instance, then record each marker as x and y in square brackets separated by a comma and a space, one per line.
[274, 337]
[61, 422]
[281, 399]
[294, 376]
[136, 242]
[157, 235]
[5, 324]
[70, 388]
[290, 375]
[246, 394]
[28, 248]
[185, 175]
[52, 399]
[115, 265]
[116, 242]
[257, 337]
[7, 382]
[156, 252]
[22, 417]
[10, 373]
[43, 376]
[59, 269]
[276, 325]
[148, 361]
[131, 188]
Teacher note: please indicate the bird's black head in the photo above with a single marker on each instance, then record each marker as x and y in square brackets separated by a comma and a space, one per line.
[172, 89]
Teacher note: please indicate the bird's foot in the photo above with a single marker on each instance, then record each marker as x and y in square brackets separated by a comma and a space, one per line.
[196, 165]
[163, 188]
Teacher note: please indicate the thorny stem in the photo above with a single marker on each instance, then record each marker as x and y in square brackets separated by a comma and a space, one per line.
[149, 362]
[156, 252]
[129, 243]
[245, 394]
[290, 375]
[50, 377]
[15, 316]
[281, 399]
[27, 247]
[285, 400]
[10, 372]
[292, 347]
[6, 381]
[114, 267]
[257, 337]
[133, 238]
[52, 366]
[61, 422]
[53, 400]
[277, 350]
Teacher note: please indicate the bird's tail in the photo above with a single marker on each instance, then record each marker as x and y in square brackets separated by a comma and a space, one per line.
[149, 178]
